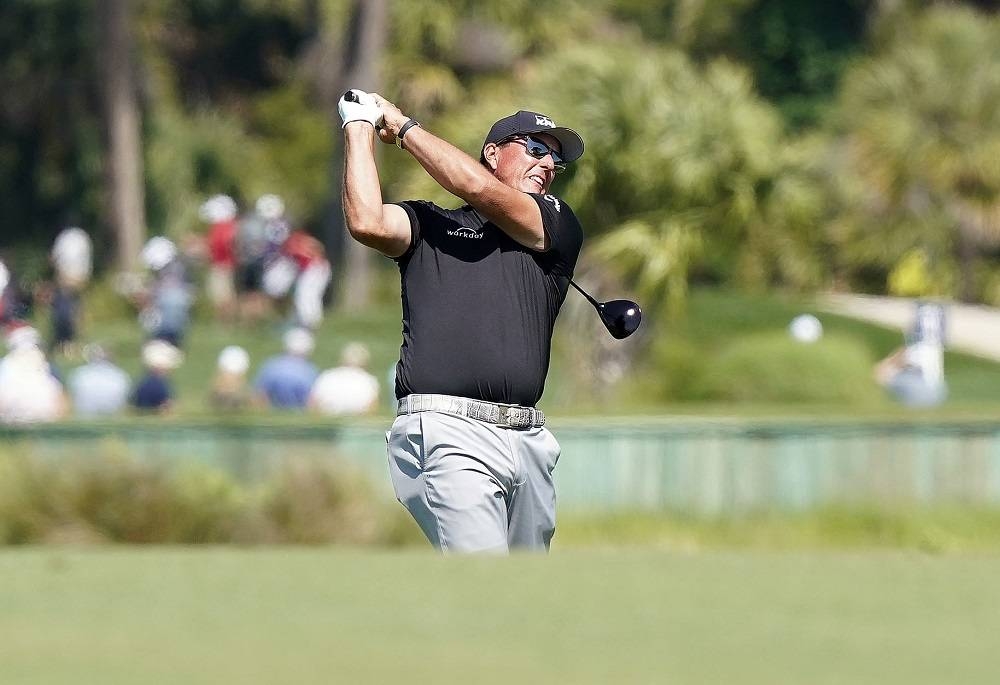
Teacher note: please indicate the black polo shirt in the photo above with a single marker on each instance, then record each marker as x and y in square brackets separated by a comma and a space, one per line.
[478, 307]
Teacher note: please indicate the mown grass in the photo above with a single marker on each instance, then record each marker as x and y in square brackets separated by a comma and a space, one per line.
[227, 615]
[933, 530]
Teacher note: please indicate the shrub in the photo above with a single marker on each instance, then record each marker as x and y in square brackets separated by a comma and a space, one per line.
[118, 498]
[772, 367]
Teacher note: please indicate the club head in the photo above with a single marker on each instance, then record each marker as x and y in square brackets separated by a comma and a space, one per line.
[620, 317]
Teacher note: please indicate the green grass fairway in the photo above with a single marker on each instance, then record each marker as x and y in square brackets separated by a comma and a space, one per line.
[217, 616]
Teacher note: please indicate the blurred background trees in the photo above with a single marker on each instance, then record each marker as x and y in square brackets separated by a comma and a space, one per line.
[754, 143]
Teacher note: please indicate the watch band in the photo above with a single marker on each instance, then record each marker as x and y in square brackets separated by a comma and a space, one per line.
[410, 123]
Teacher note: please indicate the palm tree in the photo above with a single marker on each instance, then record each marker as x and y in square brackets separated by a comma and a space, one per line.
[921, 123]
[688, 172]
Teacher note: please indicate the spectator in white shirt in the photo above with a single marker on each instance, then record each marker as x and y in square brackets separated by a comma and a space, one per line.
[348, 389]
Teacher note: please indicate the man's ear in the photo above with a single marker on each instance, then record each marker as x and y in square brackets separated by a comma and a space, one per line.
[490, 153]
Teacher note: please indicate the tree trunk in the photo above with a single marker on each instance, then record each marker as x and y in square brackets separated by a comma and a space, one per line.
[967, 252]
[363, 46]
[124, 155]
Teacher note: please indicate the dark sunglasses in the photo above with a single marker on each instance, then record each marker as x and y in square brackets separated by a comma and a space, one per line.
[538, 150]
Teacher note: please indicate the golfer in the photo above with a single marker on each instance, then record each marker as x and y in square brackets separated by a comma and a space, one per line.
[482, 284]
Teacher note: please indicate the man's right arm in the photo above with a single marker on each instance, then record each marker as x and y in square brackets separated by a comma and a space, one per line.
[383, 227]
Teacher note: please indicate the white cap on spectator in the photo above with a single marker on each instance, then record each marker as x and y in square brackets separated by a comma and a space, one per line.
[218, 208]
[158, 252]
[159, 354]
[270, 206]
[23, 336]
[299, 341]
[234, 359]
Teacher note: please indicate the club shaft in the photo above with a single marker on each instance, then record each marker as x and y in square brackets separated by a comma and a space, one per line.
[597, 305]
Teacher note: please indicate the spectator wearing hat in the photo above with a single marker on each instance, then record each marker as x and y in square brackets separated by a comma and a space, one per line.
[219, 211]
[98, 388]
[4, 282]
[153, 393]
[14, 305]
[285, 380]
[71, 260]
[166, 303]
[258, 243]
[348, 389]
[29, 393]
[230, 390]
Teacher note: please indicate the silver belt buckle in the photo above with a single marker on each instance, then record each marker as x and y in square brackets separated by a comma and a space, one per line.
[503, 416]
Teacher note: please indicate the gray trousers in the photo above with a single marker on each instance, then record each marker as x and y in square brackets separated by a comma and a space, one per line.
[472, 486]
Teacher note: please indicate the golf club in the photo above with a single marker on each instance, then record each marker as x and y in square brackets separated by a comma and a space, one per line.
[620, 317]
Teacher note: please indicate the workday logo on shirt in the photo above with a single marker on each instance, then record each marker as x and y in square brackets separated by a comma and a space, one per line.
[466, 232]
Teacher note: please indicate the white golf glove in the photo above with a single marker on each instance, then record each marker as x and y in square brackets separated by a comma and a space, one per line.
[357, 105]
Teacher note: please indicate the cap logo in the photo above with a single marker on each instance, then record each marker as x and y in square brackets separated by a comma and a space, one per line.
[544, 121]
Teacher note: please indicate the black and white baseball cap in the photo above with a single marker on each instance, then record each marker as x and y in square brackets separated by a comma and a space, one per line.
[524, 122]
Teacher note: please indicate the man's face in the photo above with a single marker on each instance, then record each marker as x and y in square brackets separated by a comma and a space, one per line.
[513, 165]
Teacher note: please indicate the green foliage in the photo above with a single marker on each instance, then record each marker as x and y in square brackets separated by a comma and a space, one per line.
[50, 132]
[191, 157]
[773, 367]
[921, 125]
[120, 498]
[796, 51]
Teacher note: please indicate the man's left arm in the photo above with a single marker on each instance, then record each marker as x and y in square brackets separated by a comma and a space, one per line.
[516, 213]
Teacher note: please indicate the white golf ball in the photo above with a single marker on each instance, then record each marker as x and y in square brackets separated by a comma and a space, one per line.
[806, 328]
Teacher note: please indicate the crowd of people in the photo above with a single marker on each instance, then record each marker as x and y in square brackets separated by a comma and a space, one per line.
[255, 268]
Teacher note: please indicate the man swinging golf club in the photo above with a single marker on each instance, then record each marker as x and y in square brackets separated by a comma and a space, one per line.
[469, 454]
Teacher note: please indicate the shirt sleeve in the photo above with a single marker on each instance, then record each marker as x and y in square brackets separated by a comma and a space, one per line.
[415, 235]
[563, 230]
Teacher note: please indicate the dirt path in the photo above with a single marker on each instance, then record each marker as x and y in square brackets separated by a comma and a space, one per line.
[970, 328]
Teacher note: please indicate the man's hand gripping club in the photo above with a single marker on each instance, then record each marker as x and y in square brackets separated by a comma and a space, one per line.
[357, 105]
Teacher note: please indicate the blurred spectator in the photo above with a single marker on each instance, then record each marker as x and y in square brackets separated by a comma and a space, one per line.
[258, 243]
[314, 276]
[284, 381]
[348, 389]
[98, 388]
[72, 258]
[914, 373]
[29, 392]
[14, 304]
[65, 313]
[171, 303]
[230, 390]
[166, 303]
[153, 392]
[4, 282]
[219, 212]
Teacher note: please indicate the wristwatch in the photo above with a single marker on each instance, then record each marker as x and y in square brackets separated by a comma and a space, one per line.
[410, 123]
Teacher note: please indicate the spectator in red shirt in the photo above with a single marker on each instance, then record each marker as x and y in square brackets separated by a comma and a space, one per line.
[314, 277]
[220, 213]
